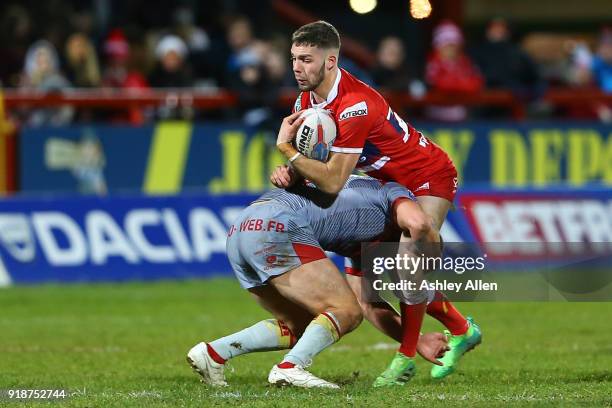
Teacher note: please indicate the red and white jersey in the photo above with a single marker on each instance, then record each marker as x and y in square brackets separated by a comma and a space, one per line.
[390, 149]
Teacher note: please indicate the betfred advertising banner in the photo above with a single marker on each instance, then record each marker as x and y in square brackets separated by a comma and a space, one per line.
[538, 224]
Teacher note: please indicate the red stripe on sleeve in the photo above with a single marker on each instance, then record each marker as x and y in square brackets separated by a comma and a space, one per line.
[308, 253]
[353, 271]
[394, 206]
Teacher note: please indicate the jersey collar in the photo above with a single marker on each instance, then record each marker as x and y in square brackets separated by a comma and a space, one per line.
[332, 93]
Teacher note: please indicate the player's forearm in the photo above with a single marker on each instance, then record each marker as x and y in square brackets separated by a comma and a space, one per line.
[384, 318]
[413, 220]
[317, 172]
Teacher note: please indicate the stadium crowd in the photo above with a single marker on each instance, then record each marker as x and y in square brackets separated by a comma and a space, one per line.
[63, 45]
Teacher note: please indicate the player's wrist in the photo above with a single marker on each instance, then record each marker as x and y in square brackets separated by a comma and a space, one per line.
[280, 142]
[294, 157]
[287, 150]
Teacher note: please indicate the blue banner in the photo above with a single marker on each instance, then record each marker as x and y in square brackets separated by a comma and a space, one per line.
[128, 237]
[528, 154]
[73, 239]
[222, 158]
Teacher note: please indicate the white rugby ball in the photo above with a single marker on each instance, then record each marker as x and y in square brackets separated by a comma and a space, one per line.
[316, 134]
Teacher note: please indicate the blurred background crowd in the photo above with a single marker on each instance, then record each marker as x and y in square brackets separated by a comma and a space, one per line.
[242, 47]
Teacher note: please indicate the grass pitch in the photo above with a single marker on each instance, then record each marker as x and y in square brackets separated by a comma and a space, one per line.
[124, 345]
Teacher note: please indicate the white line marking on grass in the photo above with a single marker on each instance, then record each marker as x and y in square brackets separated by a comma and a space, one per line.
[239, 395]
[228, 394]
[382, 346]
[144, 394]
[340, 348]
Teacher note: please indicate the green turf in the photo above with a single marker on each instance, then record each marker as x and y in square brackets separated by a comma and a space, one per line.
[125, 345]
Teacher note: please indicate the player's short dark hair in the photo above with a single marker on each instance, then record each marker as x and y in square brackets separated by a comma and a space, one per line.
[318, 34]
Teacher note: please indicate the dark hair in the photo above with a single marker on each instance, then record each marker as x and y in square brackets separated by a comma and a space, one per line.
[318, 34]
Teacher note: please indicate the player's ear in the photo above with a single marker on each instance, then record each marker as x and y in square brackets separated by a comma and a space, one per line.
[332, 61]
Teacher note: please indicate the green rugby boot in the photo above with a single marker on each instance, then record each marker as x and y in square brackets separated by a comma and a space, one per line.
[399, 372]
[459, 345]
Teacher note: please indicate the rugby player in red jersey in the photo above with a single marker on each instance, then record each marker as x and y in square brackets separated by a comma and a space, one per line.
[372, 138]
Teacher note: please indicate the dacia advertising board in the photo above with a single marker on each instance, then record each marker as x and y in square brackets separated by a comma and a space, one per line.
[124, 237]
[119, 238]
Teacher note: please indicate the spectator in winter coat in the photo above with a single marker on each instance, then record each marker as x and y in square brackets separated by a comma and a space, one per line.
[504, 64]
[449, 69]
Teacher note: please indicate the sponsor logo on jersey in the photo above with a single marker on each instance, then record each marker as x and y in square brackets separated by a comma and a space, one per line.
[275, 262]
[359, 109]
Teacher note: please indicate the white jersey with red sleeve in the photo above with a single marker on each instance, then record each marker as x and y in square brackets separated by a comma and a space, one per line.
[389, 148]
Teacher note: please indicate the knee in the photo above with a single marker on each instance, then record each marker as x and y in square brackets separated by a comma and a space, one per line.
[354, 316]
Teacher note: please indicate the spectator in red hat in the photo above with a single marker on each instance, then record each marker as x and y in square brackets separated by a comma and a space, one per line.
[449, 69]
[118, 74]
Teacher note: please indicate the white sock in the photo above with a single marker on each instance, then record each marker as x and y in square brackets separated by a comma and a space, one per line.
[321, 333]
[266, 335]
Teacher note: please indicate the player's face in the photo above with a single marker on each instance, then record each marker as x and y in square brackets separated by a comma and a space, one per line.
[308, 66]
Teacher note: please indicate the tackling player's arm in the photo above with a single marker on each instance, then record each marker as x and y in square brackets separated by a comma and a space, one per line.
[417, 226]
[381, 315]
[411, 218]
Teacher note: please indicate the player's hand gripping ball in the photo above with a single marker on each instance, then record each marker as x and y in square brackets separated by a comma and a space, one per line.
[316, 134]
